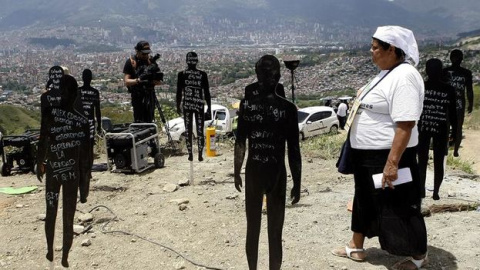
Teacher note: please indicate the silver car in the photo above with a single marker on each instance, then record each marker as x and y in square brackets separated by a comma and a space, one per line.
[317, 120]
[221, 120]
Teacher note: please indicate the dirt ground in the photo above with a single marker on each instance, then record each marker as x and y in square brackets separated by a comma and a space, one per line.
[137, 224]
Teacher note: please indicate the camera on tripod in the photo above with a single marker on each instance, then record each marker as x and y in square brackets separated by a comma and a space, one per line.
[151, 72]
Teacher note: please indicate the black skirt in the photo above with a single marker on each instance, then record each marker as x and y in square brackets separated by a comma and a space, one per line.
[394, 215]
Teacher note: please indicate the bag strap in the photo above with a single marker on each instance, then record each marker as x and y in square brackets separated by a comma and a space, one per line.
[370, 89]
[355, 107]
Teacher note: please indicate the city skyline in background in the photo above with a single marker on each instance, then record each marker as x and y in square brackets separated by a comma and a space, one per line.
[108, 25]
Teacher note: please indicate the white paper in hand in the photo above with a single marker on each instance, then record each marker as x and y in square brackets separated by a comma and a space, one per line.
[404, 176]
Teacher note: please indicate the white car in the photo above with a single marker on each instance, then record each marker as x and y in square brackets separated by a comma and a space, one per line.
[221, 121]
[317, 120]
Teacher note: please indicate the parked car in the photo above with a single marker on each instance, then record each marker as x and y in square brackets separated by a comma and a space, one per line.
[220, 119]
[317, 120]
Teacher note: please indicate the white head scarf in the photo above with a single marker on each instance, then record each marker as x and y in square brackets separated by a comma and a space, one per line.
[399, 37]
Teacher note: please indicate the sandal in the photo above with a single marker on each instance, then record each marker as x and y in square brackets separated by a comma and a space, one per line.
[418, 263]
[348, 253]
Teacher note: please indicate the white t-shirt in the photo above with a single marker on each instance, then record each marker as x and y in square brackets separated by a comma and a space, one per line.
[398, 97]
[342, 110]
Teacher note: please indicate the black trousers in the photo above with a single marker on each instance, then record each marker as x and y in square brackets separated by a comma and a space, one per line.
[143, 104]
[342, 120]
[394, 215]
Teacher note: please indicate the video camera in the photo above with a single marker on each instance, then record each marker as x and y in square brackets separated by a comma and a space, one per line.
[151, 72]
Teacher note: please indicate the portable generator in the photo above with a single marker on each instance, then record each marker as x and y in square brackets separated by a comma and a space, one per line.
[129, 148]
[19, 149]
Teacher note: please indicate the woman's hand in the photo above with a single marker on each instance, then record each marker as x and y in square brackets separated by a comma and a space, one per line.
[390, 174]
[400, 142]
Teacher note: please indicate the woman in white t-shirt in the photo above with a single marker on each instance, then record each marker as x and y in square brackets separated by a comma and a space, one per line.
[383, 136]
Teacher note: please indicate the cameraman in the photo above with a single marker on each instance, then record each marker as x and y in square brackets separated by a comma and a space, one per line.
[141, 89]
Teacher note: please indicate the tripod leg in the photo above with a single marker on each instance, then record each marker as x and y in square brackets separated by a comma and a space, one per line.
[162, 116]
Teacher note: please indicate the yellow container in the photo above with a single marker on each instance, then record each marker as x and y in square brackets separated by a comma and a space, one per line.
[210, 138]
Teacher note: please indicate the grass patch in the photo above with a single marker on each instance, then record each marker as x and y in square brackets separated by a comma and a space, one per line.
[326, 146]
[472, 121]
[458, 164]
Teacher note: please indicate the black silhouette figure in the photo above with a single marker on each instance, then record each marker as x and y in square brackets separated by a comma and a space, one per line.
[63, 132]
[194, 90]
[141, 74]
[89, 102]
[438, 111]
[267, 121]
[52, 95]
[253, 89]
[461, 79]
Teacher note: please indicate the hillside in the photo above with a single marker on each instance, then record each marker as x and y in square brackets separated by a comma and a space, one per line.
[432, 17]
[14, 120]
[469, 43]
[463, 14]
